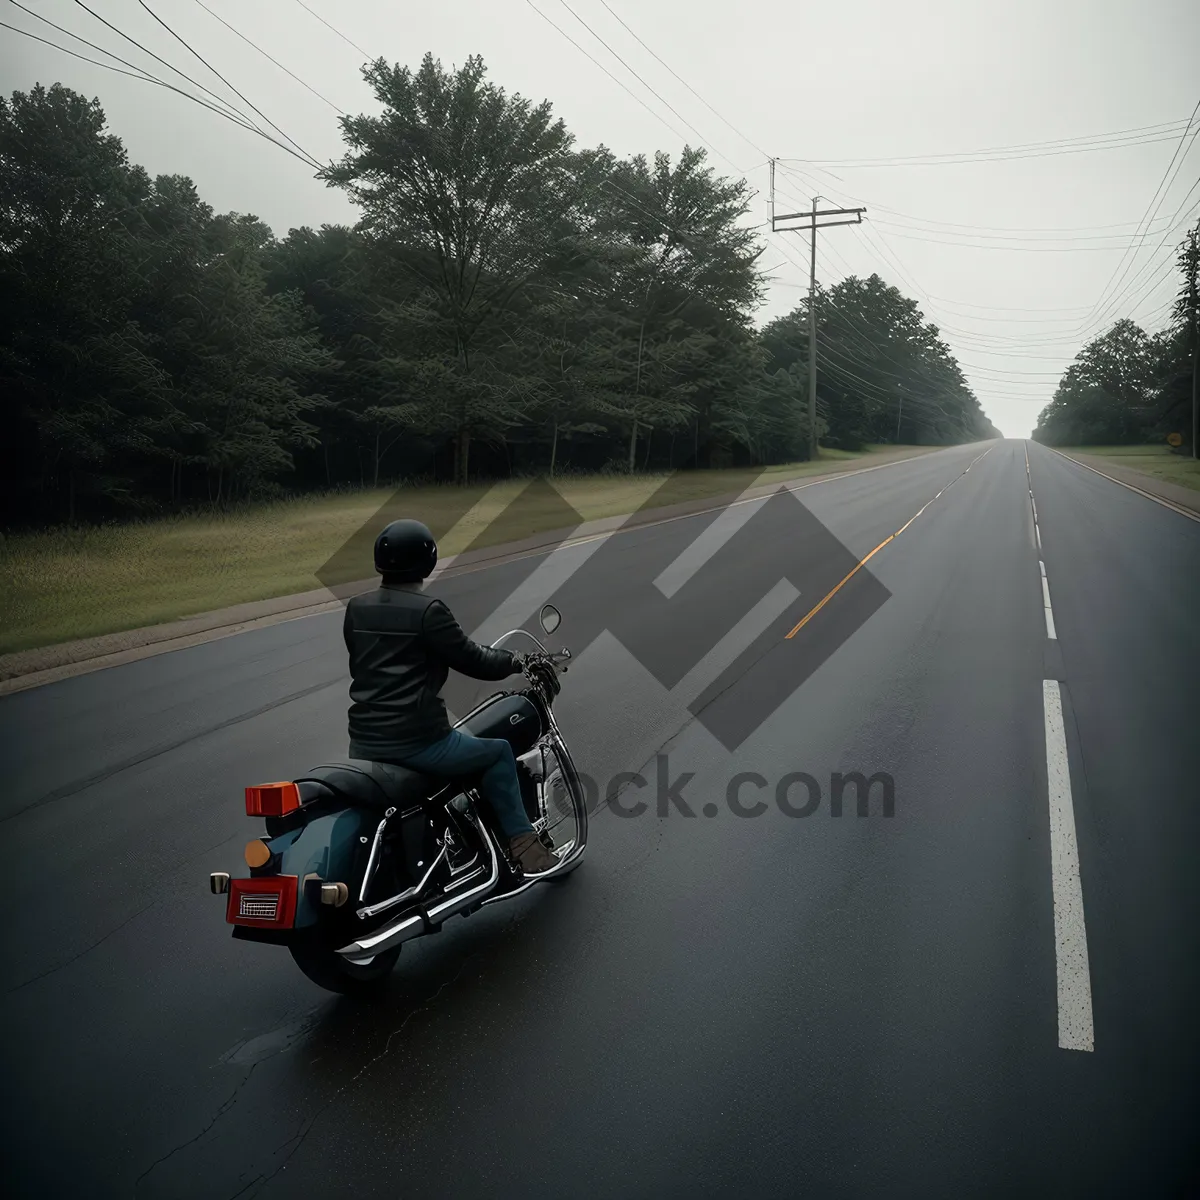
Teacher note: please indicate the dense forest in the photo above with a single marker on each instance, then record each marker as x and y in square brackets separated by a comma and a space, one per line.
[1127, 387]
[508, 303]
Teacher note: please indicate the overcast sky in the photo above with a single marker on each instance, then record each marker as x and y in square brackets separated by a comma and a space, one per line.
[1019, 258]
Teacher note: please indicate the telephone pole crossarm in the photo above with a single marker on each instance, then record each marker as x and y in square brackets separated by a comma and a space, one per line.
[820, 225]
[808, 216]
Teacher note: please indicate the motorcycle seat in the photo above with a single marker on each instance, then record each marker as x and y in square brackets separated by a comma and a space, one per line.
[365, 784]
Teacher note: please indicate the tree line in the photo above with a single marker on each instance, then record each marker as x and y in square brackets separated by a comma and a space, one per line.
[507, 303]
[1128, 387]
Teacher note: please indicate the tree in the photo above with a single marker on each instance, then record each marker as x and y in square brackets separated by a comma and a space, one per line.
[883, 372]
[472, 191]
[83, 391]
[507, 303]
[679, 257]
[1186, 313]
[1106, 396]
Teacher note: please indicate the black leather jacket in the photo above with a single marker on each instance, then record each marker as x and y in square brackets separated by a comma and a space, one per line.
[402, 644]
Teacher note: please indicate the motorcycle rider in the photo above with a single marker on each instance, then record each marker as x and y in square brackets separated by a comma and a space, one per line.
[402, 643]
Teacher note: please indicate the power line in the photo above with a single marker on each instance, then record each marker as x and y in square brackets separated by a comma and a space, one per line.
[139, 73]
[966, 245]
[972, 336]
[181, 74]
[988, 229]
[685, 82]
[134, 74]
[1011, 308]
[874, 353]
[332, 29]
[1082, 326]
[981, 233]
[1149, 215]
[225, 81]
[990, 375]
[657, 95]
[607, 72]
[1087, 142]
[267, 56]
[1175, 227]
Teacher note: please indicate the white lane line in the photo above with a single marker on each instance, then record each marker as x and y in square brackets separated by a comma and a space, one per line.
[1050, 630]
[1183, 512]
[1038, 532]
[1075, 1030]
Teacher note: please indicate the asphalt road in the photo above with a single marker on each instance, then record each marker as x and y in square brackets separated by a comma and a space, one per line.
[719, 1005]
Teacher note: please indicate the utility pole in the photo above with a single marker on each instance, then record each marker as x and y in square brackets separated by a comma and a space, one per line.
[899, 411]
[812, 226]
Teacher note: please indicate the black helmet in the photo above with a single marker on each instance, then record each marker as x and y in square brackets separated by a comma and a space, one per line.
[405, 550]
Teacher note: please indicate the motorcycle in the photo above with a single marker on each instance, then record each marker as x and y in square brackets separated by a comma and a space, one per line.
[360, 857]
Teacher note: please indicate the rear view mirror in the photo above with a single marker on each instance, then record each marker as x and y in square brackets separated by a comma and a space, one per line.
[550, 618]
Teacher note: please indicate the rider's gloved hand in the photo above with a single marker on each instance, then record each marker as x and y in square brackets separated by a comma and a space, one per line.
[544, 674]
[518, 663]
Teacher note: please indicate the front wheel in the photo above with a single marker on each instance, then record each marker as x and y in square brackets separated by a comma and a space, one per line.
[330, 970]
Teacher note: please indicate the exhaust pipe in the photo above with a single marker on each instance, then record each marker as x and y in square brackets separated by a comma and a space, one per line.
[405, 928]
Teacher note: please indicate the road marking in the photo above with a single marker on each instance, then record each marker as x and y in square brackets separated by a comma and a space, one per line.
[1050, 631]
[1183, 512]
[1075, 1031]
[502, 559]
[812, 612]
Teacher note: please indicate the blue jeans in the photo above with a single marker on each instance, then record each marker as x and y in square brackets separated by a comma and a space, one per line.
[460, 754]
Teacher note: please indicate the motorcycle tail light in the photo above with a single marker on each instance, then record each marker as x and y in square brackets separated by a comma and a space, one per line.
[268, 902]
[272, 799]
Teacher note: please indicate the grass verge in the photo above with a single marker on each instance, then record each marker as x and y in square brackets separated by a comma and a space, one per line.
[1159, 462]
[69, 583]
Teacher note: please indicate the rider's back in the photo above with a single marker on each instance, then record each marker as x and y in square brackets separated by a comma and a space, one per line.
[402, 644]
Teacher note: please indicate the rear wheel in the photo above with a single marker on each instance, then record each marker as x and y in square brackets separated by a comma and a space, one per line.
[332, 971]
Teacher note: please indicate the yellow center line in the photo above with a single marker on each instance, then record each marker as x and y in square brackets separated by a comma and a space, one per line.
[812, 612]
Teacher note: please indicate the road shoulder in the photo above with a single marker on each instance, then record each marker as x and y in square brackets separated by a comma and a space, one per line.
[1171, 494]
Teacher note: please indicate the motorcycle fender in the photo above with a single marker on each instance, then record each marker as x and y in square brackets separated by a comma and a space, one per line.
[333, 848]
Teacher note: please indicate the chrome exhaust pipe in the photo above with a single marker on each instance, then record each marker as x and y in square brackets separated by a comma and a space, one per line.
[405, 928]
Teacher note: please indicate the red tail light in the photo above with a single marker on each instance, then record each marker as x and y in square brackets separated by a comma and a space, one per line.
[272, 799]
[268, 902]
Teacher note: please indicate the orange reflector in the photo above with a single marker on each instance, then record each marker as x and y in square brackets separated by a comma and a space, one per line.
[272, 799]
[258, 853]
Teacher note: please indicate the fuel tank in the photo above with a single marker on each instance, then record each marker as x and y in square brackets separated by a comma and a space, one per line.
[512, 717]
